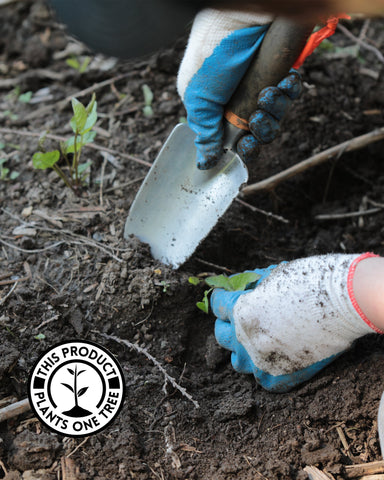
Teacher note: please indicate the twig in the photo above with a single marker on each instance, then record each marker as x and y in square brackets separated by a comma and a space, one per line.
[42, 324]
[78, 446]
[14, 409]
[139, 349]
[81, 93]
[3, 300]
[59, 138]
[210, 264]
[356, 471]
[361, 42]
[263, 212]
[36, 250]
[338, 216]
[348, 146]
[315, 474]
[123, 185]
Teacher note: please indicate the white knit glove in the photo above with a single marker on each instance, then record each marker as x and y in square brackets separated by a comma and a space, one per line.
[300, 316]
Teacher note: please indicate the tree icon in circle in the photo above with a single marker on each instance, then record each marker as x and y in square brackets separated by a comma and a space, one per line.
[76, 411]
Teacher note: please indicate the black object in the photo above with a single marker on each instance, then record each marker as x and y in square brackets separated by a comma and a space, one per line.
[126, 28]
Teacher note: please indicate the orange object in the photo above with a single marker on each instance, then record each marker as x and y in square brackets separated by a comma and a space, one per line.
[317, 37]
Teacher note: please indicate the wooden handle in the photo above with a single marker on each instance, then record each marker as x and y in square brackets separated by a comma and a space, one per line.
[281, 46]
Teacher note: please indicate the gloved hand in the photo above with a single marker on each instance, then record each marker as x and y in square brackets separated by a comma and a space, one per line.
[220, 49]
[300, 317]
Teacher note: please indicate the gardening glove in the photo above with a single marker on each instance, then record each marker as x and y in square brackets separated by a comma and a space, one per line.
[220, 49]
[300, 317]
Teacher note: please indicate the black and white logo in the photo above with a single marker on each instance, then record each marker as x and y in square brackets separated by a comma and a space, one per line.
[76, 388]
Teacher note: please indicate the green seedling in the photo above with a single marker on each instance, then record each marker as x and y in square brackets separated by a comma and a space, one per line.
[239, 282]
[76, 64]
[148, 99]
[16, 94]
[5, 173]
[75, 173]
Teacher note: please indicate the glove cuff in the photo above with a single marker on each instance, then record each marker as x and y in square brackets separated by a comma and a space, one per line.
[351, 293]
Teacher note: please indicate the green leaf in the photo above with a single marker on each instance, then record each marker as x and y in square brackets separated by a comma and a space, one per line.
[3, 173]
[204, 304]
[91, 119]
[25, 97]
[194, 280]
[148, 95]
[2, 146]
[69, 145]
[219, 281]
[90, 105]
[80, 116]
[45, 160]
[39, 336]
[148, 111]
[84, 65]
[14, 175]
[241, 280]
[73, 62]
[83, 167]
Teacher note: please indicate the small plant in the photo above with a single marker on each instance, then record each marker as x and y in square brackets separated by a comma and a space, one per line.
[82, 122]
[5, 173]
[241, 281]
[148, 99]
[76, 64]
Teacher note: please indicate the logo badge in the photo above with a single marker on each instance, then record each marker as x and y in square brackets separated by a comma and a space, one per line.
[76, 388]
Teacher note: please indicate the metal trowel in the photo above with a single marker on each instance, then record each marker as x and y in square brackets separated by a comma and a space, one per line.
[177, 204]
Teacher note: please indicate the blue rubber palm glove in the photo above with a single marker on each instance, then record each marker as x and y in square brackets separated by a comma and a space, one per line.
[220, 49]
[300, 317]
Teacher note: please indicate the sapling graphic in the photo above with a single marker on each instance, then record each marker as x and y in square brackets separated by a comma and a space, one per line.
[76, 411]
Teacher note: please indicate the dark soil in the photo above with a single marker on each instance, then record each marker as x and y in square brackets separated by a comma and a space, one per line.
[93, 281]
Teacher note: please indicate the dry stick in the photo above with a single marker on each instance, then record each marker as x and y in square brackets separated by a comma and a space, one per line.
[361, 469]
[95, 146]
[361, 42]
[4, 299]
[139, 349]
[14, 409]
[348, 146]
[338, 216]
[81, 93]
[315, 474]
[263, 212]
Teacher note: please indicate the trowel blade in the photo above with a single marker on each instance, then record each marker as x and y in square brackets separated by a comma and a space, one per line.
[177, 204]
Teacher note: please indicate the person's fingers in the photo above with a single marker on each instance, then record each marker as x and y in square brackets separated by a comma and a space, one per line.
[248, 148]
[241, 361]
[274, 101]
[264, 126]
[222, 303]
[225, 334]
[291, 85]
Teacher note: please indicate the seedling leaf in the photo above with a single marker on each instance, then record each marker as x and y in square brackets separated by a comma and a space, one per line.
[219, 281]
[68, 386]
[45, 160]
[80, 116]
[240, 281]
[194, 280]
[91, 120]
[82, 391]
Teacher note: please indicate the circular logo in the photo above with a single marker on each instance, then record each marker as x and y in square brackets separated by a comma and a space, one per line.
[76, 388]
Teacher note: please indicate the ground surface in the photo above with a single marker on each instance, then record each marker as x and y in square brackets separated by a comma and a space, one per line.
[96, 282]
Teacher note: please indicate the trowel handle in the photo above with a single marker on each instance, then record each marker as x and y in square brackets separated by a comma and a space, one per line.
[281, 47]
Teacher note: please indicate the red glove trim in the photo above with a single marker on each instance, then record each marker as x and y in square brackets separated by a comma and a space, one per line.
[351, 274]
